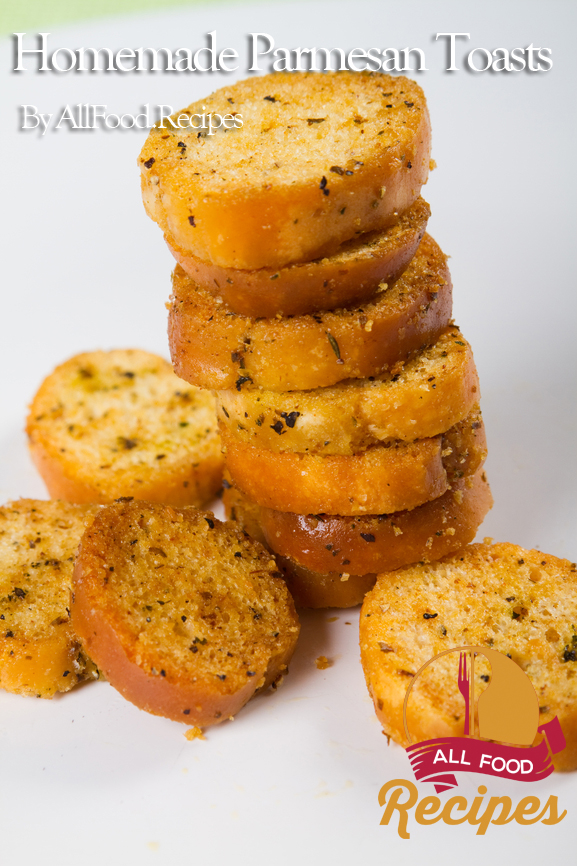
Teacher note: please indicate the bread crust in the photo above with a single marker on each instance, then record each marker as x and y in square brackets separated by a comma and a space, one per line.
[316, 161]
[315, 589]
[377, 480]
[214, 348]
[375, 543]
[519, 602]
[40, 653]
[380, 480]
[204, 630]
[431, 392]
[189, 483]
[350, 276]
[120, 423]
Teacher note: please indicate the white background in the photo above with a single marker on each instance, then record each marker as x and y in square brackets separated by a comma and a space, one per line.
[87, 778]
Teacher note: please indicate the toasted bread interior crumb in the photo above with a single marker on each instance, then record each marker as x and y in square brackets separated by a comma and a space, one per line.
[190, 598]
[39, 652]
[122, 422]
[281, 131]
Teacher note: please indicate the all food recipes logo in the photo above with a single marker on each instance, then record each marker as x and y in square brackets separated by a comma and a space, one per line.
[502, 738]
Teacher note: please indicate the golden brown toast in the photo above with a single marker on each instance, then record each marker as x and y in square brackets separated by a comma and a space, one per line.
[316, 589]
[120, 423]
[375, 543]
[352, 275]
[331, 561]
[522, 603]
[186, 616]
[213, 348]
[40, 653]
[427, 395]
[318, 159]
[384, 478]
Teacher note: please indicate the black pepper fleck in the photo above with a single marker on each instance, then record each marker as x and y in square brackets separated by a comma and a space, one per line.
[290, 418]
[241, 380]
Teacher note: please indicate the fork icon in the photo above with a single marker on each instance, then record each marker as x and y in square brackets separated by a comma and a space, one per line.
[464, 681]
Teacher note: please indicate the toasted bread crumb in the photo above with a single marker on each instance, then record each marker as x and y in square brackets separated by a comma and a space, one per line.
[194, 734]
[322, 663]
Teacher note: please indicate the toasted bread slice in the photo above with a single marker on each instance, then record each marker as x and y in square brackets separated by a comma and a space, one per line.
[431, 392]
[40, 653]
[352, 275]
[380, 480]
[383, 542]
[185, 615]
[120, 423]
[309, 549]
[308, 588]
[318, 158]
[214, 348]
[522, 603]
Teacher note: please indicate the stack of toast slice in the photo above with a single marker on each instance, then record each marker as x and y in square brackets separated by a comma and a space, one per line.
[309, 297]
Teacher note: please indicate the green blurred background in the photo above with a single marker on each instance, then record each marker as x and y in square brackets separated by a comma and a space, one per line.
[22, 15]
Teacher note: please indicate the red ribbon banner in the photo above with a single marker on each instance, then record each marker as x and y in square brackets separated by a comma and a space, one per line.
[438, 760]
